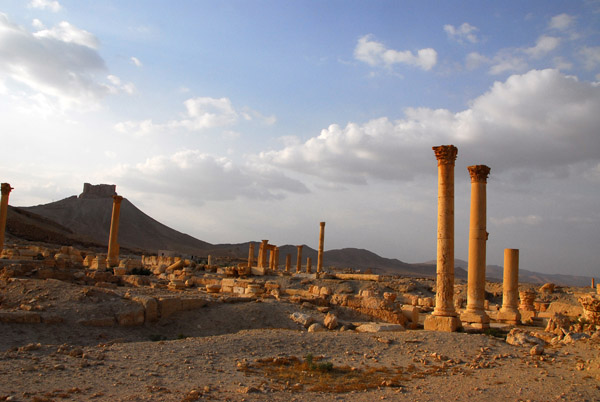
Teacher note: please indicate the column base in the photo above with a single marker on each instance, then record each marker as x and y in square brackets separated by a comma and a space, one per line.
[441, 323]
[477, 319]
[509, 317]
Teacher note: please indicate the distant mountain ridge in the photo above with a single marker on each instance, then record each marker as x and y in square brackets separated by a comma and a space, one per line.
[85, 220]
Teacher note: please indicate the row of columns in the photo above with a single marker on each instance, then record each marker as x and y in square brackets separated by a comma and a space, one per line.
[273, 251]
[444, 316]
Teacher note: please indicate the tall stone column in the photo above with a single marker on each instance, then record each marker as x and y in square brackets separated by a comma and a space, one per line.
[262, 254]
[475, 312]
[113, 245]
[299, 259]
[510, 288]
[6, 189]
[288, 262]
[308, 265]
[321, 244]
[276, 258]
[250, 255]
[444, 316]
[271, 257]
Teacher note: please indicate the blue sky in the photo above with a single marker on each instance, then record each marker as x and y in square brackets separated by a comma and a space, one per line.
[248, 120]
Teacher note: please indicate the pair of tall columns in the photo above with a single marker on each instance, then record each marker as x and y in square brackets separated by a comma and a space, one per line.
[5, 189]
[475, 312]
[113, 245]
[444, 316]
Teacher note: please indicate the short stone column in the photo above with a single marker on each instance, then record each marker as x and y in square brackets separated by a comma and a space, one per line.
[6, 189]
[262, 254]
[113, 245]
[288, 262]
[593, 283]
[250, 255]
[209, 260]
[321, 244]
[276, 258]
[308, 265]
[475, 312]
[509, 312]
[299, 259]
[444, 316]
[527, 298]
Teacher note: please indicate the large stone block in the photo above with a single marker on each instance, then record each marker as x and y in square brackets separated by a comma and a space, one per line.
[168, 306]
[443, 324]
[150, 307]
[132, 316]
[379, 327]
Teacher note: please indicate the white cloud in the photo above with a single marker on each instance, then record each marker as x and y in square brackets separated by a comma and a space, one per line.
[591, 57]
[136, 61]
[539, 120]
[474, 60]
[206, 112]
[138, 128]
[561, 22]
[202, 113]
[51, 5]
[60, 62]
[68, 33]
[517, 220]
[117, 86]
[200, 177]
[377, 55]
[544, 45]
[465, 32]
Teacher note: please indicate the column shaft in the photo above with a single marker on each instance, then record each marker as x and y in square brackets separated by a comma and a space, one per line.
[113, 245]
[321, 244]
[475, 312]
[276, 258]
[510, 288]
[308, 265]
[299, 259]
[6, 189]
[250, 255]
[262, 254]
[288, 262]
[444, 315]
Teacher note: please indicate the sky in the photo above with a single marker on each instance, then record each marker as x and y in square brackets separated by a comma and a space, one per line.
[238, 121]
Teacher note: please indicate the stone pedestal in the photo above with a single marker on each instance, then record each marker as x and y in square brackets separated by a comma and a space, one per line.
[444, 316]
[308, 265]
[509, 312]
[321, 243]
[299, 259]
[475, 312]
[113, 245]
[250, 255]
[6, 189]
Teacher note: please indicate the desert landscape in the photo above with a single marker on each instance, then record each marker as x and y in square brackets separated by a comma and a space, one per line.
[221, 327]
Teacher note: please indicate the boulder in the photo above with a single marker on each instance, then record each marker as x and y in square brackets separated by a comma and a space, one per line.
[519, 337]
[303, 319]
[331, 321]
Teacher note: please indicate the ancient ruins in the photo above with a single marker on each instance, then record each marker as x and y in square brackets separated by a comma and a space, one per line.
[151, 291]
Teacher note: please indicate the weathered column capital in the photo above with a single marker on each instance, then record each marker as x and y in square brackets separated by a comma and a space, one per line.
[445, 154]
[6, 189]
[117, 199]
[479, 173]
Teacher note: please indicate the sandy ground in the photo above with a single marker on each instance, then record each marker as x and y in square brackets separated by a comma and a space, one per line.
[224, 346]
